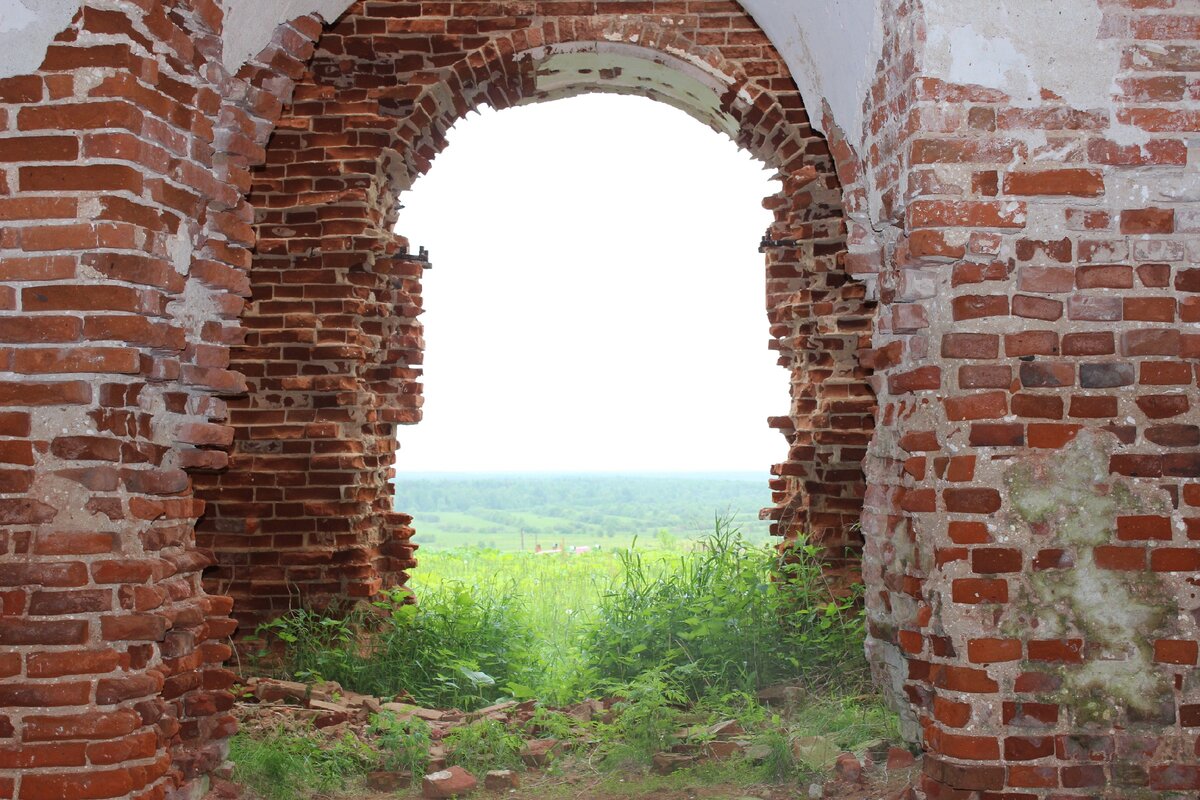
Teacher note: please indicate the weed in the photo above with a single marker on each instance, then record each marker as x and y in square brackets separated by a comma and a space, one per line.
[549, 724]
[285, 765]
[779, 762]
[483, 745]
[403, 744]
[731, 616]
[448, 651]
[647, 721]
[849, 722]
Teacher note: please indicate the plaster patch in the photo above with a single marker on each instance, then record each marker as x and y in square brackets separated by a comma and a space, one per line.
[26, 29]
[1022, 46]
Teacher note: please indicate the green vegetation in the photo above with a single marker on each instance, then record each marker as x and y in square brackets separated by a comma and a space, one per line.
[676, 636]
[451, 650]
[403, 744]
[607, 511]
[284, 765]
[483, 745]
[716, 618]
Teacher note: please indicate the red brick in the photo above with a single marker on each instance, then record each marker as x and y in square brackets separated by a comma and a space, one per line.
[1165, 373]
[971, 345]
[1051, 435]
[1037, 406]
[1108, 276]
[1148, 220]
[971, 501]
[991, 560]
[985, 377]
[922, 378]
[1056, 650]
[16, 631]
[1056, 182]
[1176, 651]
[1143, 527]
[86, 785]
[1174, 435]
[1029, 715]
[45, 695]
[1029, 307]
[1047, 375]
[1031, 343]
[962, 532]
[1161, 407]
[1149, 309]
[1099, 343]
[999, 434]
[89, 178]
[986, 405]
[992, 651]
[1046, 280]
[979, 306]
[1175, 559]
[1028, 748]
[962, 679]
[951, 713]
[91, 725]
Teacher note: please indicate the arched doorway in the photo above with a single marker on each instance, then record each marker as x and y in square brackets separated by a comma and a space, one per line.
[334, 354]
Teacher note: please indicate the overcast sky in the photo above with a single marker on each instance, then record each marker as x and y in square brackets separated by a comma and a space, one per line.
[596, 297]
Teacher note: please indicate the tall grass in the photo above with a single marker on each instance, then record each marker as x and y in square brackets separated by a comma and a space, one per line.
[729, 616]
[720, 616]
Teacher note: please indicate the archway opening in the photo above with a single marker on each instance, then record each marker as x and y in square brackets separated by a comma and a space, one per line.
[594, 321]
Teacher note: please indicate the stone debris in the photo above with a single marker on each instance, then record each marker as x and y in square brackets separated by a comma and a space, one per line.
[499, 780]
[327, 710]
[539, 752]
[899, 758]
[451, 782]
[388, 782]
[666, 763]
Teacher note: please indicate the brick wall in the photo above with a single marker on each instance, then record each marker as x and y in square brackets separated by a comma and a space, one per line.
[123, 254]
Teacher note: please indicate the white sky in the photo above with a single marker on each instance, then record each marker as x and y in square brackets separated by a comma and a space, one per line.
[596, 298]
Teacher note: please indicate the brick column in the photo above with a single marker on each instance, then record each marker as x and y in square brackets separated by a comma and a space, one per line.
[1031, 535]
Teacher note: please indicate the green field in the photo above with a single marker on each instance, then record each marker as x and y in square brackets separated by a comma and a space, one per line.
[515, 512]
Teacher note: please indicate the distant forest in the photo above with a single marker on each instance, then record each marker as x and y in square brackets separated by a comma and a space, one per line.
[504, 511]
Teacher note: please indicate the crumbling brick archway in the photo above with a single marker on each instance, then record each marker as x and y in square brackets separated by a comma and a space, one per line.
[333, 353]
[1031, 245]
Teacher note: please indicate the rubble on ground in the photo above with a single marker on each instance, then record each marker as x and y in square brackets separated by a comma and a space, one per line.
[268, 706]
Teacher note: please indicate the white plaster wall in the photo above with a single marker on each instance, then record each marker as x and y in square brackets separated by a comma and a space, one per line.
[26, 29]
[832, 48]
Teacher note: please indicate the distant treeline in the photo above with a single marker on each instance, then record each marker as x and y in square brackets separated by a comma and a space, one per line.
[491, 509]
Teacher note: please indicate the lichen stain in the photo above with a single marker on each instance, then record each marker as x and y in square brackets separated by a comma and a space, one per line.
[1070, 500]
